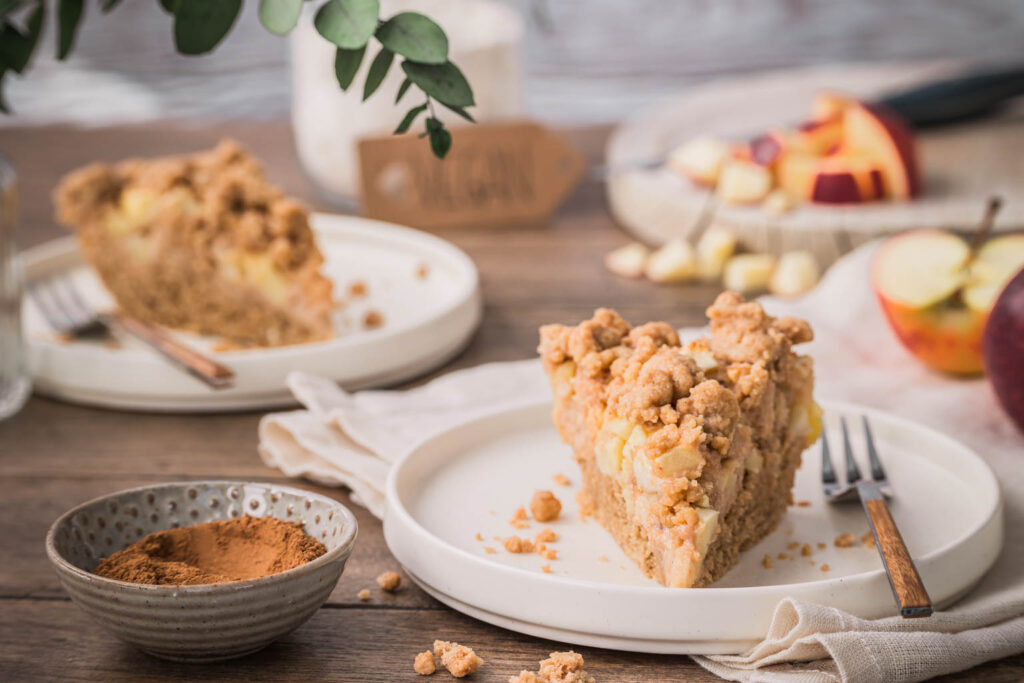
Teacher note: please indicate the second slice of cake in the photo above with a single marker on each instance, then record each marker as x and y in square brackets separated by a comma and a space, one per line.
[688, 453]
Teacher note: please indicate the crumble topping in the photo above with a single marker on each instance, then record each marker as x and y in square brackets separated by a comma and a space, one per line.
[460, 660]
[389, 581]
[545, 506]
[424, 663]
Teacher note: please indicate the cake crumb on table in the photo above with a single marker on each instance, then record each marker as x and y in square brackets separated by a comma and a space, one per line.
[546, 536]
[561, 479]
[364, 594]
[806, 550]
[767, 562]
[458, 659]
[424, 663]
[389, 581]
[825, 567]
[515, 544]
[845, 540]
[545, 507]
[564, 667]
[525, 677]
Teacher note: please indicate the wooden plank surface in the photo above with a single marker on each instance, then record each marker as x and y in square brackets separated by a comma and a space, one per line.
[55, 455]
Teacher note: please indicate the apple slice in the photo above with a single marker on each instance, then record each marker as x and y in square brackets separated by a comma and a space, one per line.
[743, 182]
[714, 248]
[675, 261]
[842, 179]
[920, 268]
[881, 136]
[993, 266]
[796, 274]
[700, 159]
[749, 272]
[818, 136]
[627, 261]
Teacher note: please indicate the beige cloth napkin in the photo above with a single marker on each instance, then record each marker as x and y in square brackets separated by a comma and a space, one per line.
[352, 439]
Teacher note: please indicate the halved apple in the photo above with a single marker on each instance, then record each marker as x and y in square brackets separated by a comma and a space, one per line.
[878, 134]
[937, 295]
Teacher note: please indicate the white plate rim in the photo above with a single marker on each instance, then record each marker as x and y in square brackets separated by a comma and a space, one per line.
[397, 514]
[463, 309]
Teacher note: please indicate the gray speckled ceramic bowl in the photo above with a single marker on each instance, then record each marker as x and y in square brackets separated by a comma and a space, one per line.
[206, 622]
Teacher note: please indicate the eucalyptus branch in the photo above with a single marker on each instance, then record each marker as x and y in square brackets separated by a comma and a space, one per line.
[349, 25]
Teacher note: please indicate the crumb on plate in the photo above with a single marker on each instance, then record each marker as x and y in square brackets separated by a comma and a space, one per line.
[825, 567]
[373, 319]
[515, 544]
[547, 535]
[357, 288]
[561, 479]
[845, 540]
[767, 562]
[545, 506]
[805, 550]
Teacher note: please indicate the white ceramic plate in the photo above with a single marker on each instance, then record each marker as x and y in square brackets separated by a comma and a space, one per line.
[427, 320]
[470, 480]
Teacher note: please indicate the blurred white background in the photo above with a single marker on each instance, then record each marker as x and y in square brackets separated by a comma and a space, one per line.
[586, 60]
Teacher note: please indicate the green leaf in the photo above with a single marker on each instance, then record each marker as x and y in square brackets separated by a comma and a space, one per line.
[461, 112]
[347, 23]
[346, 64]
[69, 13]
[200, 24]
[280, 16]
[16, 47]
[378, 70]
[415, 37]
[8, 6]
[410, 116]
[444, 82]
[440, 138]
[402, 90]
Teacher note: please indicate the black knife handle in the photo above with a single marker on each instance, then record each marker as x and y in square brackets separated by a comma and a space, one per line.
[958, 99]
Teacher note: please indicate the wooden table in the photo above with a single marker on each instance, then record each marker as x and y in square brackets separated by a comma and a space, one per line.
[55, 455]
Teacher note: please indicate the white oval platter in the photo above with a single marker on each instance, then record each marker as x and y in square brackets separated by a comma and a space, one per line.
[427, 320]
[469, 480]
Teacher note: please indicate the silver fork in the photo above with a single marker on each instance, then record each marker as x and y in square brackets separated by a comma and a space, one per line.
[67, 313]
[907, 588]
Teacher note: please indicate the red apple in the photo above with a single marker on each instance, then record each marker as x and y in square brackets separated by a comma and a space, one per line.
[1003, 348]
[937, 295]
[878, 134]
[846, 180]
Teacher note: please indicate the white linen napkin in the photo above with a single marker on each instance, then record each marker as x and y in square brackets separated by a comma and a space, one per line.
[352, 439]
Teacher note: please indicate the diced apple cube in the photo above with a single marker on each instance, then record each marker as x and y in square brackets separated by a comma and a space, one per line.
[610, 441]
[675, 261]
[701, 353]
[681, 461]
[700, 159]
[778, 201]
[564, 372]
[796, 274]
[749, 272]
[706, 526]
[714, 248]
[743, 182]
[627, 261]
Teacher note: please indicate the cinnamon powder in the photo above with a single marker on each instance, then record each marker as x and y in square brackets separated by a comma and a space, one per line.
[213, 552]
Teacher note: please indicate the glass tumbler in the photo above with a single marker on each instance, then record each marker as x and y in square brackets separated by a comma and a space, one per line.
[15, 384]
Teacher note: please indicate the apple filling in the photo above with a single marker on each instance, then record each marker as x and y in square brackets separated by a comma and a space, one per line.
[688, 452]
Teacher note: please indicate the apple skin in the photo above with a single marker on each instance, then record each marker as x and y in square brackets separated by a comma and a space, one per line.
[945, 336]
[1003, 349]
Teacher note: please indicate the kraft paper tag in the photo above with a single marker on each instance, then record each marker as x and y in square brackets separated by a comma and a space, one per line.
[494, 174]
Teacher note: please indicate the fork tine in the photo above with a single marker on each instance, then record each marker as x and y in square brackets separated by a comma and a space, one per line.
[70, 303]
[852, 471]
[877, 472]
[828, 473]
[42, 297]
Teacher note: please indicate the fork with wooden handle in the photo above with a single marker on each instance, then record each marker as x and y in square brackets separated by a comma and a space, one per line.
[67, 313]
[906, 584]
